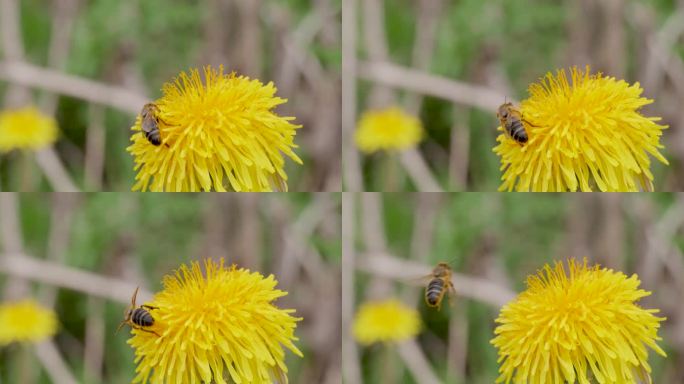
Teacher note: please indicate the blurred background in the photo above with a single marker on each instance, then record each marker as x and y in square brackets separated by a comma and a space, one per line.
[84, 254]
[93, 64]
[451, 63]
[493, 242]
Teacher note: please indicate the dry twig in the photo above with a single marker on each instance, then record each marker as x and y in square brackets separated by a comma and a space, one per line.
[427, 84]
[54, 81]
[466, 286]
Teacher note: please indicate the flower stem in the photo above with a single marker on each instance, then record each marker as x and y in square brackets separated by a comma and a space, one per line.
[390, 168]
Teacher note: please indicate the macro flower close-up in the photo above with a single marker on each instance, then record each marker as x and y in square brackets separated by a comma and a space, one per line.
[388, 129]
[572, 327]
[586, 134]
[385, 321]
[215, 327]
[26, 128]
[26, 321]
[218, 135]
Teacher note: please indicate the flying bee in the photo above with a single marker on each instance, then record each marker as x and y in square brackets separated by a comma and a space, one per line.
[138, 317]
[512, 123]
[438, 286]
[150, 123]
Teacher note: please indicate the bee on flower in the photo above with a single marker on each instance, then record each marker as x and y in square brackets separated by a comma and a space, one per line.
[584, 134]
[219, 326]
[221, 134]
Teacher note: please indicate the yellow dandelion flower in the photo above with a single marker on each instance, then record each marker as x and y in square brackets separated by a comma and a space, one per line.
[582, 135]
[26, 321]
[571, 328]
[388, 129]
[217, 135]
[214, 327]
[388, 320]
[26, 128]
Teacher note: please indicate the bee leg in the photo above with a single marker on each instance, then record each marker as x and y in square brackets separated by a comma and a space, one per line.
[165, 123]
[119, 327]
[452, 295]
[528, 122]
[149, 306]
[145, 330]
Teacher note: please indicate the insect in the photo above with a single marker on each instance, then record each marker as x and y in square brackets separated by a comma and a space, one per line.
[138, 317]
[438, 286]
[512, 123]
[150, 123]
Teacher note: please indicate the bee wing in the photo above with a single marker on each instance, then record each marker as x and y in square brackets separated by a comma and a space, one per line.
[148, 124]
[421, 280]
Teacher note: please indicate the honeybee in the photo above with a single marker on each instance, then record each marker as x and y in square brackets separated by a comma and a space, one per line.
[150, 123]
[512, 123]
[138, 317]
[438, 286]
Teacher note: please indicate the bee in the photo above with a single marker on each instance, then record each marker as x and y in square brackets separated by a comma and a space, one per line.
[438, 286]
[138, 317]
[150, 123]
[512, 123]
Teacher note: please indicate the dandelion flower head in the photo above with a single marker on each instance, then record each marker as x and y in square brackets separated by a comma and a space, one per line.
[26, 128]
[217, 327]
[570, 328]
[385, 321]
[584, 135]
[26, 321]
[219, 135]
[388, 129]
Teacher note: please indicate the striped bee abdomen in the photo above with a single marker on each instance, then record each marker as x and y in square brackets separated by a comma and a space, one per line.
[142, 318]
[517, 131]
[434, 291]
[153, 137]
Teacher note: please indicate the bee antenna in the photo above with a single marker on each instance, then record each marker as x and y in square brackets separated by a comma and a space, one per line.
[119, 327]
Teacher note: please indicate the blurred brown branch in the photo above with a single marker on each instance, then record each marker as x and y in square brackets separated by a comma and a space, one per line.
[29, 268]
[416, 362]
[433, 85]
[54, 364]
[350, 353]
[353, 179]
[55, 81]
[471, 287]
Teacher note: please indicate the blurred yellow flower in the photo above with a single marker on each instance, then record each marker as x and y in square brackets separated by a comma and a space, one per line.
[214, 327]
[571, 328]
[26, 128]
[388, 129]
[26, 321]
[218, 135]
[583, 135]
[388, 320]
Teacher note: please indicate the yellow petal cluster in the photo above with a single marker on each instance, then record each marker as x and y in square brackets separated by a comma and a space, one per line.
[26, 128]
[219, 326]
[585, 326]
[385, 321]
[388, 129]
[26, 321]
[217, 135]
[585, 135]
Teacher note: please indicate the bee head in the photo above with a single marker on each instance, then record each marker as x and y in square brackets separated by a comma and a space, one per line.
[503, 111]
